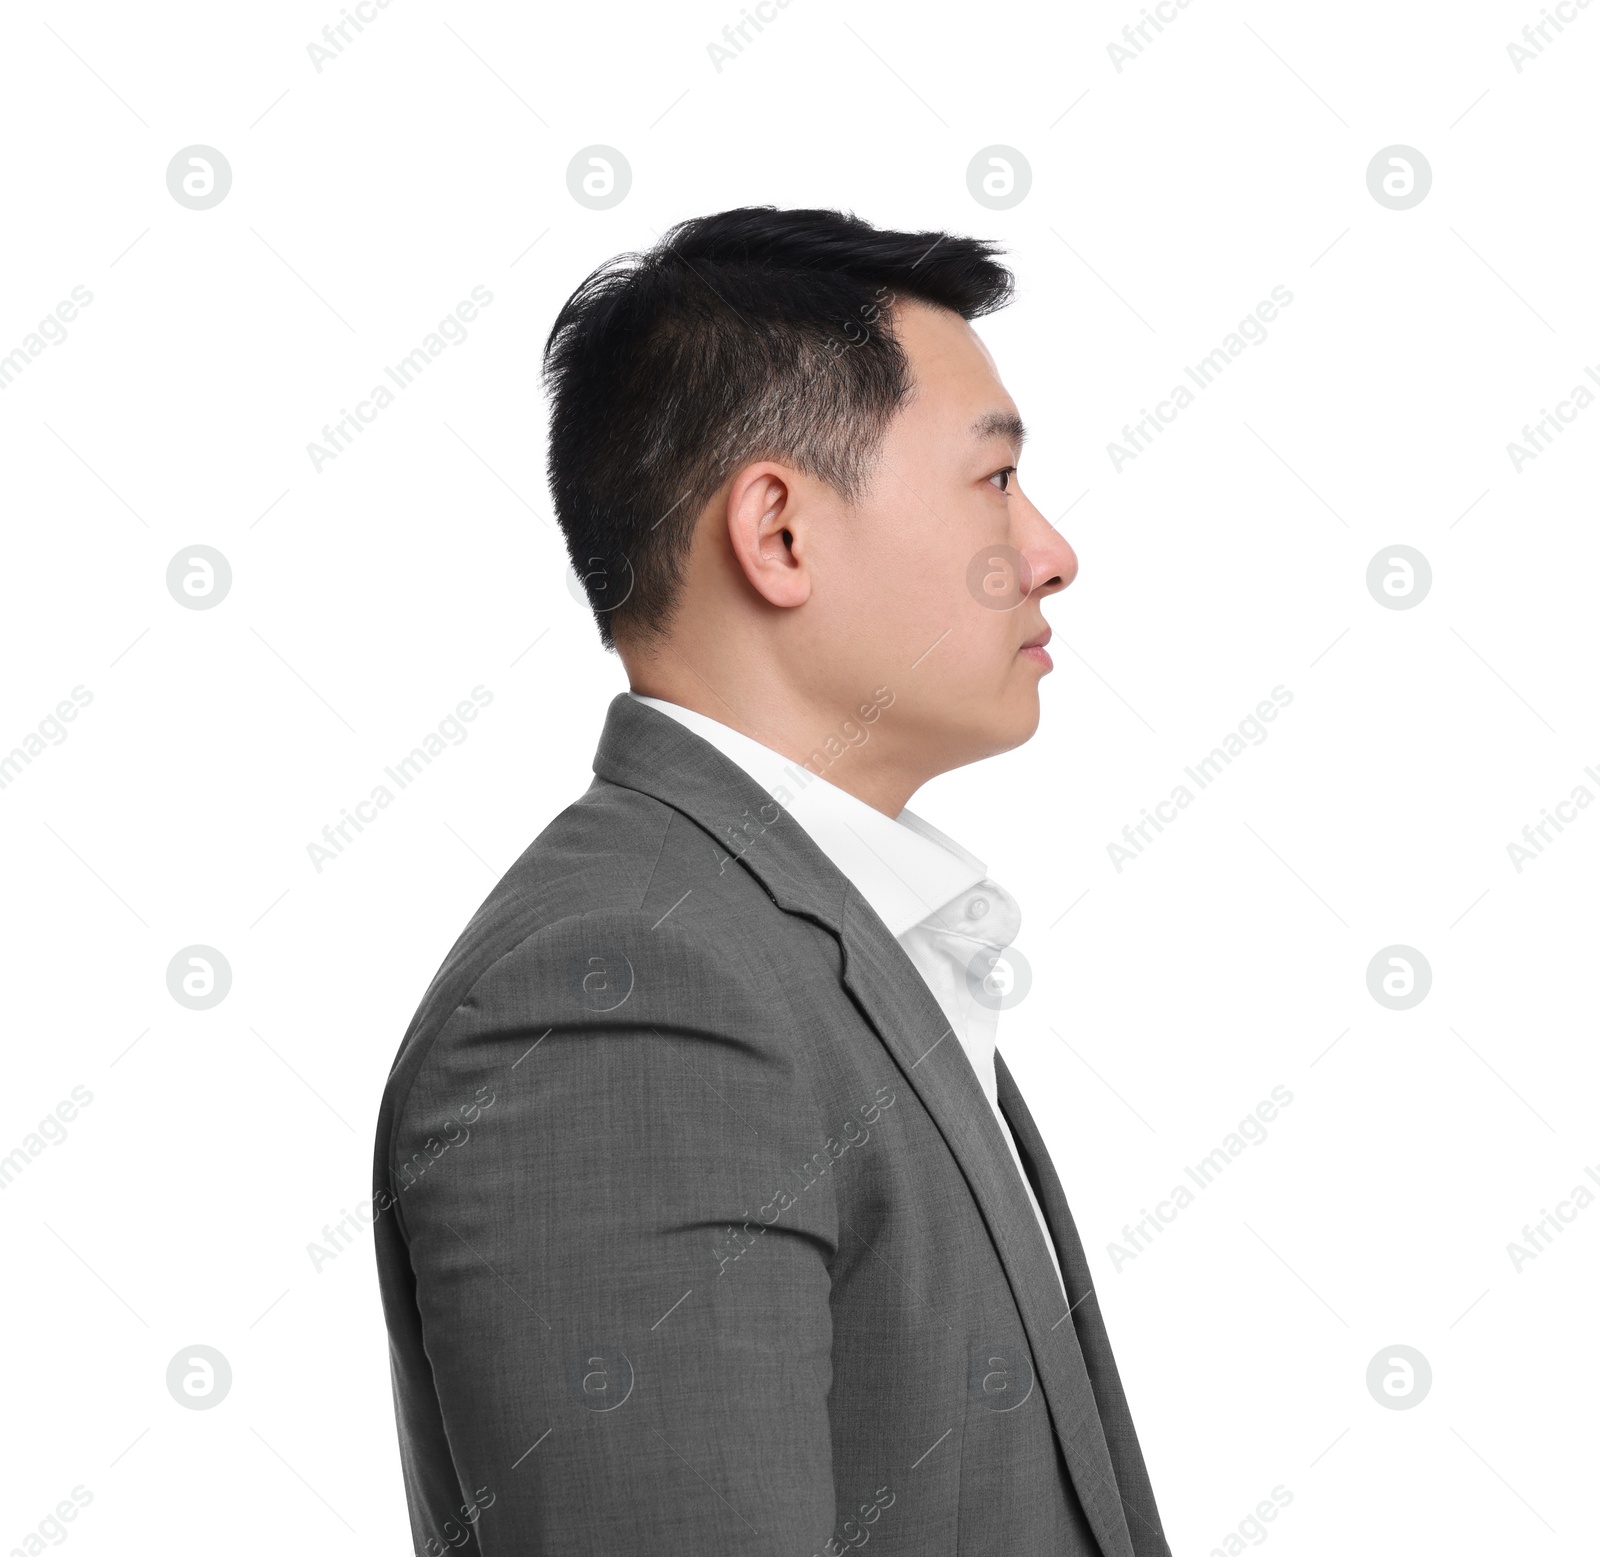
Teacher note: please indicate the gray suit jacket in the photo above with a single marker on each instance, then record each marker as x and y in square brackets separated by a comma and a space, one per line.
[698, 1235]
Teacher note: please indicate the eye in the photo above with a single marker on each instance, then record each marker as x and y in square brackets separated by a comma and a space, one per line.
[1003, 477]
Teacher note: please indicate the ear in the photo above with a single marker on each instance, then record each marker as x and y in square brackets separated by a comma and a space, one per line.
[767, 534]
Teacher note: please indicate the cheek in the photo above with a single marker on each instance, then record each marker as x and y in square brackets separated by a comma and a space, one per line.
[905, 595]
[977, 663]
[906, 584]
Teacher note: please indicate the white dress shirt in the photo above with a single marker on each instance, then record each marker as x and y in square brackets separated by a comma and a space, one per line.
[936, 899]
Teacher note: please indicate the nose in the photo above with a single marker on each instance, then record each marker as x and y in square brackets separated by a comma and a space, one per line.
[1052, 564]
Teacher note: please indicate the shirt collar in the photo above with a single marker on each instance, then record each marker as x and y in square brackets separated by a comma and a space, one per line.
[904, 867]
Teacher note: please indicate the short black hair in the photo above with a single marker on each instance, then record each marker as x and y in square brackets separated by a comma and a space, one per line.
[752, 334]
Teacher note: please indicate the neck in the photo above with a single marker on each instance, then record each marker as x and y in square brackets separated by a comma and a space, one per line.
[837, 743]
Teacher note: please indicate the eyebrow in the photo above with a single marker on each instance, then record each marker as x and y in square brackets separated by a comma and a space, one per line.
[1001, 424]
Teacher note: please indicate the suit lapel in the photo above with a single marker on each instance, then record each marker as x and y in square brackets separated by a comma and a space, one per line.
[645, 750]
[913, 1028]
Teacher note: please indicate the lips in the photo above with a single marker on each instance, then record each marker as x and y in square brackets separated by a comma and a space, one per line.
[1039, 640]
[1034, 649]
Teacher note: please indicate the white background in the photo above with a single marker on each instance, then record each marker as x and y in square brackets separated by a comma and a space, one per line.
[1167, 200]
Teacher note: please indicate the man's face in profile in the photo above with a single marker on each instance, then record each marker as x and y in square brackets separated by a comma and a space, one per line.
[918, 585]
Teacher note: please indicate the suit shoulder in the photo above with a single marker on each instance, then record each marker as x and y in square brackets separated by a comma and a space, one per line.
[619, 891]
[597, 854]
[613, 999]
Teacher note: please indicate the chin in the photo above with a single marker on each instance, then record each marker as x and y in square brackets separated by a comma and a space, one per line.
[1014, 722]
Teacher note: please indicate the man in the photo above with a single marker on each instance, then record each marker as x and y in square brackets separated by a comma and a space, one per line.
[714, 1222]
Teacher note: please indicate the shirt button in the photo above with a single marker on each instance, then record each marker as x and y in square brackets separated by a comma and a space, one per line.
[977, 907]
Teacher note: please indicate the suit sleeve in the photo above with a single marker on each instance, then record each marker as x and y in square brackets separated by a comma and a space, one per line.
[619, 1259]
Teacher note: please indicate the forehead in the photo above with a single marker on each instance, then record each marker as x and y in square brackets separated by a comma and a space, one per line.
[952, 370]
